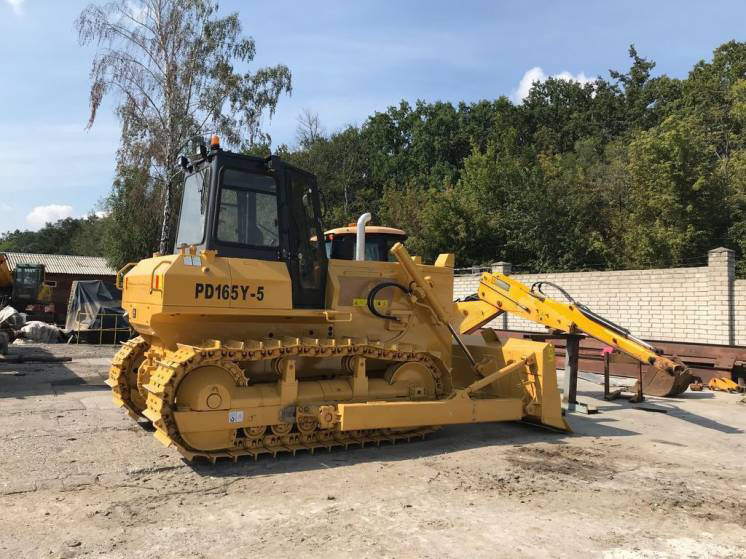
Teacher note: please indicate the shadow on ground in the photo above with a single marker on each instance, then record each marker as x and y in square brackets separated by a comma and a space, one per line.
[448, 440]
[669, 406]
[37, 376]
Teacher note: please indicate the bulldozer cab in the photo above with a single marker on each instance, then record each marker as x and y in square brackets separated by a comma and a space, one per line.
[340, 242]
[263, 209]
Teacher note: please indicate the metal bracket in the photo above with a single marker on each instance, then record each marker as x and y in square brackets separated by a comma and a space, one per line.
[569, 394]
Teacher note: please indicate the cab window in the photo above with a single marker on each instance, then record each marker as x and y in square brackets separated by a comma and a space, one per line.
[247, 212]
[193, 209]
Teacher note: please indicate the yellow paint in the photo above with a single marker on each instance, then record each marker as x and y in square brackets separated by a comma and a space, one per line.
[232, 365]
[380, 304]
[499, 293]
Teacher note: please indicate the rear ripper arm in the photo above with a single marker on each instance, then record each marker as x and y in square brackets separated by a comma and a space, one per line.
[499, 293]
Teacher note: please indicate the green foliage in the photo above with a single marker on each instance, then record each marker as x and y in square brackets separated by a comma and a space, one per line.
[632, 171]
[134, 219]
[676, 198]
[81, 237]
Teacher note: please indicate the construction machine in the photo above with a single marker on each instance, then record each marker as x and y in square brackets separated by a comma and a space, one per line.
[498, 293]
[253, 339]
[342, 242]
[25, 289]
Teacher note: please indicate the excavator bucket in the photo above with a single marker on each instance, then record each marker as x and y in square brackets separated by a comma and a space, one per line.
[659, 382]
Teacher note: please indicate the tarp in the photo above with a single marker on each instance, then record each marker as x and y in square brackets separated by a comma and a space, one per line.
[94, 305]
[11, 318]
[41, 332]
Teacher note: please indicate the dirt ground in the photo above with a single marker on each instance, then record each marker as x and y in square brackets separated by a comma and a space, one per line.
[80, 479]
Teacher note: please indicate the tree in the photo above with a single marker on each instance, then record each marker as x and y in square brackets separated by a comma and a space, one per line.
[178, 71]
[127, 239]
[677, 196]
[79, 236]
[309, 129]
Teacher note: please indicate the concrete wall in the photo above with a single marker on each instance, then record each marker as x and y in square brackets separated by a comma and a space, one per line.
[701, 304]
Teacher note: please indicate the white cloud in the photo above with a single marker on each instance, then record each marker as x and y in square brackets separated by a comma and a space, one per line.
[536, 74]
[16, 6]
[102, 213]
[41, 215]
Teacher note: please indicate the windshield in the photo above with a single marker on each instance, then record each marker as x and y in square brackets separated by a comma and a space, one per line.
[193, 209]
[377, 246]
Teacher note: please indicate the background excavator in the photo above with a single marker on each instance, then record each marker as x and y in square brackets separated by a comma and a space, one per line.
[25, 290]
[498, 293]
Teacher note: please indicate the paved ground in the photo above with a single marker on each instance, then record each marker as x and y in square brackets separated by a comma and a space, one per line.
[79, 479]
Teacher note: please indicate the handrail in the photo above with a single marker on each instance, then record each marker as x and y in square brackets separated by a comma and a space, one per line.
[122, 272]
[152, 276]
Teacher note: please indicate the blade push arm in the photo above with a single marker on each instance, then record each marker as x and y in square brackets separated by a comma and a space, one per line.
[499, 293]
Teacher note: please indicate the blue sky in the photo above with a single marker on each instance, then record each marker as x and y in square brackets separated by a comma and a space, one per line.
[348, 60]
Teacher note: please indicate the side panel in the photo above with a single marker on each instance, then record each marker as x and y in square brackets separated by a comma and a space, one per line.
[260, 284]
[349, 284]
[189, 299]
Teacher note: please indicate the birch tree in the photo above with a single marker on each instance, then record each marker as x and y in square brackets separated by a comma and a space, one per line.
[177, 71]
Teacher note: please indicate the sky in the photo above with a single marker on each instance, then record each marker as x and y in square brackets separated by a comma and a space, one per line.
[348, 60]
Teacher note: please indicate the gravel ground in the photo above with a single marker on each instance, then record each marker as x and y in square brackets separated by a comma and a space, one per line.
[80, 479]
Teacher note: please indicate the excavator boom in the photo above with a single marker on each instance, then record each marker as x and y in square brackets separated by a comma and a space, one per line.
[499, 293]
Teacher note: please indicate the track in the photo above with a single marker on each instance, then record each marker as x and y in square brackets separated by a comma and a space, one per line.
[165, 370]
[123, 376]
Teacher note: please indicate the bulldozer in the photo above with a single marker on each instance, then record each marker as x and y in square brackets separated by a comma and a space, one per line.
[257, 336]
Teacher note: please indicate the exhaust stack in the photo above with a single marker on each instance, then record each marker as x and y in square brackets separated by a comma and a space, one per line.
[360, 246]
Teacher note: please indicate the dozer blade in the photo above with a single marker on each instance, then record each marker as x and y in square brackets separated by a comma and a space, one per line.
[534, 384]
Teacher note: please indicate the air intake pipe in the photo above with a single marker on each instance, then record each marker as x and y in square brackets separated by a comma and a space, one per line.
[360, 246]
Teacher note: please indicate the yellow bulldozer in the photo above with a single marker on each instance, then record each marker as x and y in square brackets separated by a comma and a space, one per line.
[263, 334]
[252, 339]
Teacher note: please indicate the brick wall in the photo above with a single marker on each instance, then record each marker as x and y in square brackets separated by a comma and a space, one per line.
[739, 311]
[699, 304]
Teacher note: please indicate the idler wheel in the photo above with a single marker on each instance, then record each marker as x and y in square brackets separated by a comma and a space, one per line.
[206, 389]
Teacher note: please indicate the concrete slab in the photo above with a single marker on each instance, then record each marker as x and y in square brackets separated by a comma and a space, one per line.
[79, 478]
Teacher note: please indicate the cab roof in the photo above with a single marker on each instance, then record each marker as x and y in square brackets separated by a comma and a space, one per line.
[372, 229]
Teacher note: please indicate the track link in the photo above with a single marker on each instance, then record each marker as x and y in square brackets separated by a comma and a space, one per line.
[169, 369]
[123, 374]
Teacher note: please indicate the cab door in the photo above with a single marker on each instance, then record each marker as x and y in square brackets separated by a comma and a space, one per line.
[306, 254]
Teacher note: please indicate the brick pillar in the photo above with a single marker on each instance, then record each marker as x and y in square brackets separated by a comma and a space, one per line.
[720, 309]
[504, 268]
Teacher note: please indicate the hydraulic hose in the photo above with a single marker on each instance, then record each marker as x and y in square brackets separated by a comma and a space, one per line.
[372, 298]
[588, 313]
